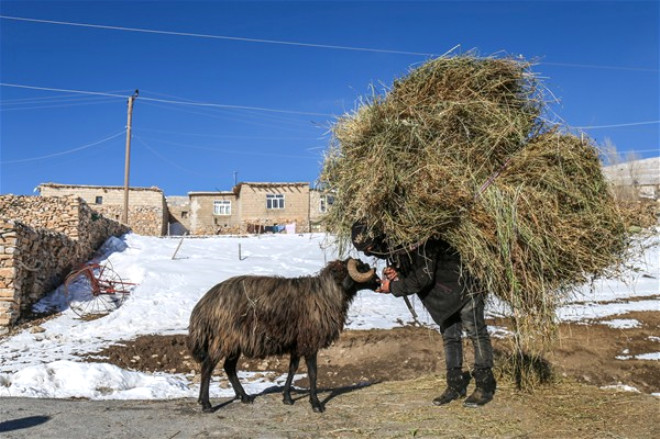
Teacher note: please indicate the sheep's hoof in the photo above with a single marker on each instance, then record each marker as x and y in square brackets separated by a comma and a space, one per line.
[207, 408]
[287, 400]
[247, 399]
[318, 408]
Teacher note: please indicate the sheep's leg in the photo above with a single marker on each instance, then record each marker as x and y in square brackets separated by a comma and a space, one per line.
[311, 373]
[208, 365]
[293, 367]
[230, 369]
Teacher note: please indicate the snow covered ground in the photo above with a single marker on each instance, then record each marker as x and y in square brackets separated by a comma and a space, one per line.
[47, 363]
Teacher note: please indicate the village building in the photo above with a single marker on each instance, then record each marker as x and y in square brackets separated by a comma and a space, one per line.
[250, 207]
[636, 178]
[147, 211]
[256, 207]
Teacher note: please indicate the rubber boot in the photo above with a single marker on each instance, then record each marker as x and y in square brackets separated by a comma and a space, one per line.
[486, 384]
[457, 382]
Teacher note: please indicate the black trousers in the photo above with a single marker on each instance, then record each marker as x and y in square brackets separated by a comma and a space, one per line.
[471, 318]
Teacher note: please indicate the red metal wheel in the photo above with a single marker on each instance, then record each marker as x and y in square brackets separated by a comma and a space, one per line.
[95, 290]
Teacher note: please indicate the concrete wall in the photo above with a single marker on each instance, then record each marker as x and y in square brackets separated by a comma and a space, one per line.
[202, 219]
[147, 211]
[53, 235]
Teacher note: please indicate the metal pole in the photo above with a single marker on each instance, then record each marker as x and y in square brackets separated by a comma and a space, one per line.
[127, 160]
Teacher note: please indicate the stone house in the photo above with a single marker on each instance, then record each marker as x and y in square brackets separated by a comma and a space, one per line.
[250, 207]
[319, 202]
[147, 212]
[635, 179]
[253, 207]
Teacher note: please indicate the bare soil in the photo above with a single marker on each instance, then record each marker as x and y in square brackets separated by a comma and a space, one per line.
[378, 384]
[584, 353]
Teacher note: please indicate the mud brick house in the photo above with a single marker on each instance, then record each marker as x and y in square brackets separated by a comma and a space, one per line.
[147, 210]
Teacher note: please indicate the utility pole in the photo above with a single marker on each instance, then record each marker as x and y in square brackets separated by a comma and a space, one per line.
[127, 161]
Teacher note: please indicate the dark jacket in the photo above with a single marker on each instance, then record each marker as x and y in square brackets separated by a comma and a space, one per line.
[433, 272]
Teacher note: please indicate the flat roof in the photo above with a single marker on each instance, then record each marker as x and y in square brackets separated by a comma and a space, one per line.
[87, 186]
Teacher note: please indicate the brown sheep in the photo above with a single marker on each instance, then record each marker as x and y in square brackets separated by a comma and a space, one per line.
[259, 316]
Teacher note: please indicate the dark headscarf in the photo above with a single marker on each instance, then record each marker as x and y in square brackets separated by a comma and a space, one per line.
[362, 240]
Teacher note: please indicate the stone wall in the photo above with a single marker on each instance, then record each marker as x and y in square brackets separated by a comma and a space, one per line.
[41, 240]
[143, 220]
[147, 209]
[33, 262]
[254, 211]
[178, 208]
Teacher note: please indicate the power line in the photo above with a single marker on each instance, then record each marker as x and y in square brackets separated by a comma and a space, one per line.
[210, 112]
[617, 125]
[592, 66]
[244, 107]
[166, 101]
[231, 151]
[227, 136]
[69, 151]
[170, 162]
[54, 105]
[291, 43]
[217, 37]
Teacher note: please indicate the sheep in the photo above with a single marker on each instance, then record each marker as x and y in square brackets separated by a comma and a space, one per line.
[259, 316]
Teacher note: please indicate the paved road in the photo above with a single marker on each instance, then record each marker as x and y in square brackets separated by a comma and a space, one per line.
[72, 419]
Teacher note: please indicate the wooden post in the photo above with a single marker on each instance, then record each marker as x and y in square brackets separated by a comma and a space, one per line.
[177, 248]
[127, 160]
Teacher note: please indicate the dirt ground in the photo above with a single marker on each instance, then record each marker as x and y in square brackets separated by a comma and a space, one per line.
[584, 353]
[378, 384]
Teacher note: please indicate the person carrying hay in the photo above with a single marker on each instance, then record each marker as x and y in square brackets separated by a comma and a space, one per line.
[455, 302]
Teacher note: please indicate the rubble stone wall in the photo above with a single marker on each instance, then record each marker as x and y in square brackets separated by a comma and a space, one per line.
[41, 240]
[147, 209]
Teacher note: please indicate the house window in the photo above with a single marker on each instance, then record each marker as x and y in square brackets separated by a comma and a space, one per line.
[184, 214]
[274, 201]
[222, 207]
[325, 202]
[99, 200]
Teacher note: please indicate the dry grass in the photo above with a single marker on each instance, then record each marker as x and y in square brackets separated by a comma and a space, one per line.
[457, 150]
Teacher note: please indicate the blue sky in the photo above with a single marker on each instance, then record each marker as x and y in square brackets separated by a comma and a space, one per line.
[272, 104]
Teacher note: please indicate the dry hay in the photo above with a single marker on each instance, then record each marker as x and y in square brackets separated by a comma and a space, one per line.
[458, 150]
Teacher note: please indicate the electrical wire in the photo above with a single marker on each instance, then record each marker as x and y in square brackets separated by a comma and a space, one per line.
[292, 43]
[243, 151]
[164, 159]
[243, 107]
[217, 37]
[61, 153]
[227, 136]
[617, 125]
[295, 126]
[165, 101]
[54, 105]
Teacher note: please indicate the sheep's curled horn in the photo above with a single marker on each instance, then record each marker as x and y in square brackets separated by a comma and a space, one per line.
[356, 275]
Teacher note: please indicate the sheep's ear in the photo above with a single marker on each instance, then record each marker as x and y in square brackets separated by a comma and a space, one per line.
[338, 270]
[347, 283]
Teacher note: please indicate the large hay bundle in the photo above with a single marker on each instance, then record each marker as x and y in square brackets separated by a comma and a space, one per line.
[457, 150]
